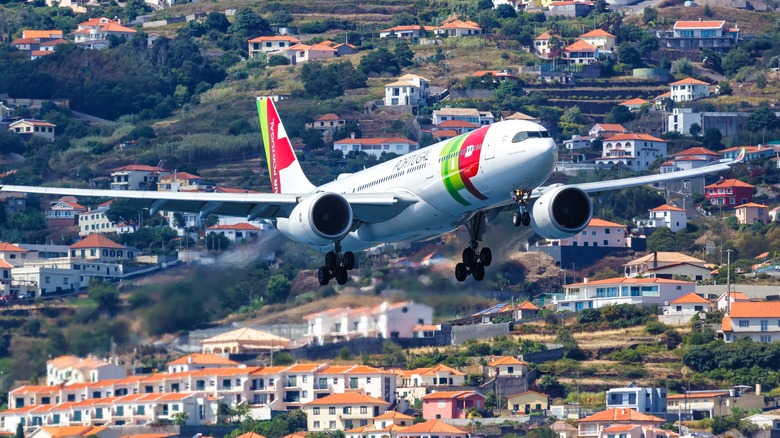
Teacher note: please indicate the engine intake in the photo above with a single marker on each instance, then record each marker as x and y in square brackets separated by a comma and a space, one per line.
[318, 220]
[561, 212]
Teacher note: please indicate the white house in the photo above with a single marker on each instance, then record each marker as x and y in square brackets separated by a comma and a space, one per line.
[688, 305]
[271, 44]
[459, 28]
[765, 421]
[342, 411]
[621, 290]
[95, 221]
[72, 369]
[470, 115]
[646, 400]
[39, 128]
[757, 320]
[100, 29]
[726, 300]
[598, 233]
[137, 177]
[408, 90]
[375, 146]
[507, 366]
[542, 45]
[669, 216]
[600, 39]
[689, 89]
[662, 264]
[236, 233]
[411, 31]
[414, 384]
[604, 130]
[635, 151]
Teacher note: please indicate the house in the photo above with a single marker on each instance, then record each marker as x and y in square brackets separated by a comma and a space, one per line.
[600, 39]
[645, 400]
[621, 290]
[236, 233]
[387, 424]
[200, 361]
[137, 177]
[542, 46]
[699, 154]
[697, 35]
[728, 123]
[669, 216]
[725, 301]
[43, 35]
[636, 431]
[342, 411]
[715, 403]
[765, 421]
[598, 233]
[729, 192]
[527, 402]
[458, 126]
[385, 321]
[663, 264]
[414, 384]
[580, 52]
[751, 213]
[451, 404]
[408, 90]
[604, 130]
[327, 124]
[29, 127]
[48, 47]
[183, 182]
[507, 366]
[757, 320]
[412, 31]
[376, 146]
[25, 44]
[243, 340]
[98, 30]
[578, 142]
[635, 151]
[99, 247]
[470, 115]
[752, 153]
[13, 255]
[458, 28]
[13, 202]
[570, 9]
[95, 221]
[344, 49]
[635, 104]
[526, 310]
[64, 212]
[271, 44]
[689, 89]
[301, 53]
[591, 426]
[563, 429]
[71, 369]
[688, 305]
[432, 428]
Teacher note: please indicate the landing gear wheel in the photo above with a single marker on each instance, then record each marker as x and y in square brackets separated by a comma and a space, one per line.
[486, 256]
[479, 272]
[461, 272]
[517, 218]
[526, 218]
[341, 275]
[323, 275]
[469, 257]
[349, 260]
[331, 260]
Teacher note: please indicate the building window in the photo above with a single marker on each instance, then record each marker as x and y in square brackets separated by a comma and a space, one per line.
[332, 410]
[316, 411]
[744, 323]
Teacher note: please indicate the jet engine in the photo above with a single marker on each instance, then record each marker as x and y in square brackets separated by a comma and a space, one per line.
[318, 220]
[561, 212]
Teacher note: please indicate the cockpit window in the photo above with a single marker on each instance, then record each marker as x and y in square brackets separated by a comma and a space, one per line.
[522, 135]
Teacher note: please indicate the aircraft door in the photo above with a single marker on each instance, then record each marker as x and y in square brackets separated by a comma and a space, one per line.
[488, 150]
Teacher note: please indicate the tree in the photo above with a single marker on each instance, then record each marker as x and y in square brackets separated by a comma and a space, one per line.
[278, 289]
[628, 55]
[379, 61]
[507, 90]
[105, 295]
[217, 21]
[250, 23]
[180, 418]
[648, 44]
[649, 15]
[712, 139]
[712, 60]
[761, 82]
[404, 19]
[736, 59]
[724, 88]
[19, 430]
[682, 66]
[619, 114]
[695, 130]
[573, 115]
[763, 118]
[275, 60]
[485, 5]
[312, 139]
[662, 239]
[549, 384]
[403, 53]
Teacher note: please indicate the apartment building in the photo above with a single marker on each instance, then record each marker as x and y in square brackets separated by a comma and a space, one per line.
[342, 411]
[621, 290]
[757, 320]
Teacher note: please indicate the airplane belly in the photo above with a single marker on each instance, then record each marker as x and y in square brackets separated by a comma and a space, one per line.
[418, 222]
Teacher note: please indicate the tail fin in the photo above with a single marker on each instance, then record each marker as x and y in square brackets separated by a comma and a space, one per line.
[283, 166]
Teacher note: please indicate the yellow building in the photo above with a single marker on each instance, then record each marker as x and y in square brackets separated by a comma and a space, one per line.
[529, 401]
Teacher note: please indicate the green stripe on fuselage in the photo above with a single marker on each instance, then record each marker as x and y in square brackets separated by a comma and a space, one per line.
[450, 168]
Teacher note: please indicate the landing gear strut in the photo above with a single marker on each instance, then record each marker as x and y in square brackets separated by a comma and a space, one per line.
[522, 216]
[337, 265]
[474, 259]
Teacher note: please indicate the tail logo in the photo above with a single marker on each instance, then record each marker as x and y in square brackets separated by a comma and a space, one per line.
[460, 163]
[278, 151]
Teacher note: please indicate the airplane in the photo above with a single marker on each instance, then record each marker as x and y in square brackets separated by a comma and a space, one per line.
[466, 180]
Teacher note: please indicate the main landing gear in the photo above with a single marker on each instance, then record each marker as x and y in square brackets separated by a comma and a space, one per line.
[474, 259]
[337, 265]
[522, 216]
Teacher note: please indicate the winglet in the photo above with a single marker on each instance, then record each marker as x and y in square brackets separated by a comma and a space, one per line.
[283, 166]
[741, 155]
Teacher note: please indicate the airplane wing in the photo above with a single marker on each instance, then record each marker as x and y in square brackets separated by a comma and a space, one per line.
[368, 207]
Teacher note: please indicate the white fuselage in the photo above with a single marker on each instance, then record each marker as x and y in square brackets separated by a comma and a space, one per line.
[453, 179]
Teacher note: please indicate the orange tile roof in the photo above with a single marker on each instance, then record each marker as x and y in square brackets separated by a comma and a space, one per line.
[202, 359]
[267, 371]
[96, 241]
[624, 137]
[438, 395]
[64, 361]
[620, 428]
[346, 398]
[506, 360]
[725, 324]
[21, 41]
[226, 371]
[442, 368]
[596, 222]
[636, 101]
[8, 247]
[457, 124]
[597, 33]
[621, 414]
[690, 298]
[624, 280]
[751, 205]
[263, 39]
[240, 226]
[251, 435]
[362, 369]
[401, 28]
[755, 309]
[689, 81]
[422, 328]
[394, 415]
[730, 183]
[543, 36]
[139, 167]
[527, 305]
[445, 133]
[458, 24]
[699, 24]
[433, 426]
[42, 34]
[667, 207]
[705, 394]
[185, 176]
[69, 431]
[697, 151]
[580, 46]
[666, 257]
[610, 127]
[304, 367]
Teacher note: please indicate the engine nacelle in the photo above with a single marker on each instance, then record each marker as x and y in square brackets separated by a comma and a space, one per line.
[561, 212]
[318, 220]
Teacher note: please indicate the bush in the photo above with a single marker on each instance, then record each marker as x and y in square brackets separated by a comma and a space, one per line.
[656, 327]
[626, 356]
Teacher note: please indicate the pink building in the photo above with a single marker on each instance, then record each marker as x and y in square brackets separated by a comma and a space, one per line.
[451, 404]
[751, 213]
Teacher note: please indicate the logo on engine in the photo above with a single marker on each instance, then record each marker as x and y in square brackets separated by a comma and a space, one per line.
[460, 163]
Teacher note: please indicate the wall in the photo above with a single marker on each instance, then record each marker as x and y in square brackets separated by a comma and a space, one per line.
[461, 334]
[751, 291]
[363, 345]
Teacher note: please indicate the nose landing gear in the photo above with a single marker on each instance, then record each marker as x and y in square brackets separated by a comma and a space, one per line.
[474, 259]
[337, 266]
[522, 216]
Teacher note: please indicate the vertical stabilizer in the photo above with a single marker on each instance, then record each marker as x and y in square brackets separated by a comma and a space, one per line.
[283, 166]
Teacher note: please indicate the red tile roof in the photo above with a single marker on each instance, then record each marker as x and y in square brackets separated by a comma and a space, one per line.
[610, 127]
[729, 183]
[690, 298]
[699, 24]
[697, 151]
[433, 426]
[632, 102]
[543, 36]
[263, 39]
[8, 247]
[625, 137]
[596, 222]
[667, 207]
[597, 33]
[755, 309]
[203, 359]
[506, 360]
[580, 46]
[689, 81]
[527, 305]
[624, 280]
[346, 398]
[439, 395]
[96, 241]
[457, 124]
[621, 414]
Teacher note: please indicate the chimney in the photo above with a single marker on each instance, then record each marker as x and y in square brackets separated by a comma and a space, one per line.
[758, 389]
[655, 260]
[352, 135]
[189, 359]
[585, 280]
